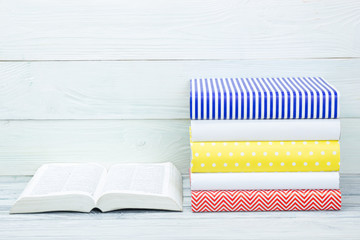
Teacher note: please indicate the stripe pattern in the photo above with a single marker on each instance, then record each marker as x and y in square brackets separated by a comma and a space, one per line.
[265, 200]
[263, 98]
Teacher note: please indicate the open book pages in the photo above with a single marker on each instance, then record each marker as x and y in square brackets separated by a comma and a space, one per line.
[82, 187]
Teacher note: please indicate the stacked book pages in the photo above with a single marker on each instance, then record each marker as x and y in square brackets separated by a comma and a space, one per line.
[264, 144]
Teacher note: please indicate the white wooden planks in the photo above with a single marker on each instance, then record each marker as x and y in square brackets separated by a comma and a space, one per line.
[147, 224]
[145, 89]
[26, 145]
[188, 29]
[54, 69]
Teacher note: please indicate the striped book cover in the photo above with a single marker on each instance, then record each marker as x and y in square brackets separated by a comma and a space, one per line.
[263, 98]
[265, 200]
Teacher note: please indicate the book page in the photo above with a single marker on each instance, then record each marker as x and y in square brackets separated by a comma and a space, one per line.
[139, 178]
[146, 186]
[66, 178]
[175, 187]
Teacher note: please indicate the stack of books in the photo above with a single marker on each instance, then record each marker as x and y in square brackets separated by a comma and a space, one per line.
[264, 144]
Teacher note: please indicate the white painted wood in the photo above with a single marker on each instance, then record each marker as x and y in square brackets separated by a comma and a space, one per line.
[144, 89]
[188, 29]
[146, 224]
[26, 145]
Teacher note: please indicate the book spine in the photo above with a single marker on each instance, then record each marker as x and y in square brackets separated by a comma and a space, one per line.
[265, 156]
[263, 98]
[265, 200]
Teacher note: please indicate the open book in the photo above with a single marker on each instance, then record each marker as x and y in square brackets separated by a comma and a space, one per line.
[82, 187]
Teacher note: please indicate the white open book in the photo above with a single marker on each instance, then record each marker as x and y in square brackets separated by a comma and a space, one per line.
[82, 187]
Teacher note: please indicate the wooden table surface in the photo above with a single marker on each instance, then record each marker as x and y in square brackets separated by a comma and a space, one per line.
[145, 224]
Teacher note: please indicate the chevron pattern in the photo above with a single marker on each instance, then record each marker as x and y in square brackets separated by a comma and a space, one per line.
[265, 200]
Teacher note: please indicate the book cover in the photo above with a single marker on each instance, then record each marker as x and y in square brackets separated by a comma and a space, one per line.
[263, 98]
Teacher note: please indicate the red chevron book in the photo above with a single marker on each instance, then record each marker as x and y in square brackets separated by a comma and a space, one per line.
[265, 200]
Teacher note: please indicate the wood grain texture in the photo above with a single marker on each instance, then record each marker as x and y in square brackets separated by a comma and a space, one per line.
[188, 29]
[144, 89]
[147, 224]
[26, 145]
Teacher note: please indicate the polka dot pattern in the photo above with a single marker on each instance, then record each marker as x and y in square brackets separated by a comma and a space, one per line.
[274, 156]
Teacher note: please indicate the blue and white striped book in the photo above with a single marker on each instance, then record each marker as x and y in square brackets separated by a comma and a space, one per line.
[263, 98]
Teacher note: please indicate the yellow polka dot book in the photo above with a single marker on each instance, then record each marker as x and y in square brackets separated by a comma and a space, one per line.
[264, 144]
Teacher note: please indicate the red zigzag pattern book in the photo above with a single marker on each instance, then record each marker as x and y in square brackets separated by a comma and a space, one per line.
[265, 200]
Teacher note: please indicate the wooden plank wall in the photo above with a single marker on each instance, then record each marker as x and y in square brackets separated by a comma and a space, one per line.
[108, 80]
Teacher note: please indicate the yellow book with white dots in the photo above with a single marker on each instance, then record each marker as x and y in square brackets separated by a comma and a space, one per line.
[265, 156]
